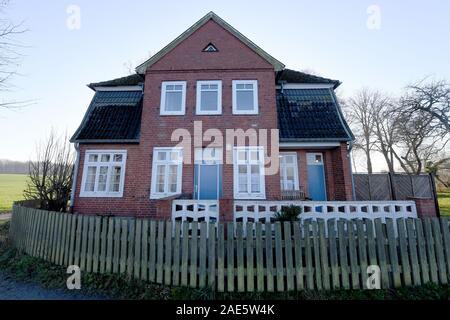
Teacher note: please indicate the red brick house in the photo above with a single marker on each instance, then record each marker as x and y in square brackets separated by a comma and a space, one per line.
[211, 76]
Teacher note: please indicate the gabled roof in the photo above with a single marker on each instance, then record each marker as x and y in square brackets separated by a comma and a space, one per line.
[112, 117]
[210, 16]
[131, 80]
[310, 115]
[293, 76]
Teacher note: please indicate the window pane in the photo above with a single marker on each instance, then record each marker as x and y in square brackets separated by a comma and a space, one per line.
[244, 100]
[105, 158]
[173, 101]
[209, 101]
[118, 158]
[255, 178]
[93, 158]
[162, 155]
[174, 156]
[242, 155]
[114, 183]
[173, 178]
[160, 176]
[254, 155]
[102, 175]
[90, 179]
[240, 86]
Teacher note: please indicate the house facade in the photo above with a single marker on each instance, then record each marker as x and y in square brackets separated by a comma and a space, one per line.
[208, 118]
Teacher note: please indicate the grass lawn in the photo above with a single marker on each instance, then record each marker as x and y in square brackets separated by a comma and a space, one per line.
[11, 189]
[444, 203]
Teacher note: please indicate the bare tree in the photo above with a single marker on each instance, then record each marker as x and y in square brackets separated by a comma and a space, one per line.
[432, 98]
[361, 110]
[50, 174]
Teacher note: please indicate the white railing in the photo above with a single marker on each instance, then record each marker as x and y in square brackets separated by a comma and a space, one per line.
[195, 210]
[263, 211]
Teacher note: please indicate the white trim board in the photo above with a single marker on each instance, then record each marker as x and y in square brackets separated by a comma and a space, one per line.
[119, 88]
[306, 86]
[306, 145]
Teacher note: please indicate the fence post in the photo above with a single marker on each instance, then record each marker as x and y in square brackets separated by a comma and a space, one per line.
[434, 194]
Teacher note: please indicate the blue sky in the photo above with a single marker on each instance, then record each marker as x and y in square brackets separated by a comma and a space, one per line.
[329, 37]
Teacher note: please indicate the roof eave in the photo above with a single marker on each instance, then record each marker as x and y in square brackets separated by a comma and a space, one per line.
[106, 141]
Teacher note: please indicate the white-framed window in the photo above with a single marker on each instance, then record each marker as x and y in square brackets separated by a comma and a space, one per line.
[315, 159]
[245, 97]
[166, 172]
[103, 173]
[289, 171]
[249, 178]
[209, 97]
[173, 98]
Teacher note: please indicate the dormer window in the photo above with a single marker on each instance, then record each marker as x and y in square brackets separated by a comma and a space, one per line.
[173, 98]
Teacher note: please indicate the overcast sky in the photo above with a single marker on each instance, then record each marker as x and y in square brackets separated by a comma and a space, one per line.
[342, 40]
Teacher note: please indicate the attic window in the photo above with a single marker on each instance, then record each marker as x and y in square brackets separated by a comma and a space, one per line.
[210, 48]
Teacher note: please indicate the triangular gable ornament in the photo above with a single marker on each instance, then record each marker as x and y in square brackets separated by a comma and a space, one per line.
[210, 48]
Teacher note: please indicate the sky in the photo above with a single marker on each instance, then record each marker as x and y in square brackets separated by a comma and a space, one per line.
[380, 44]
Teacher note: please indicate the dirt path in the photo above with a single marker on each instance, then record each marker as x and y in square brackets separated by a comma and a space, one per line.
[11, 289]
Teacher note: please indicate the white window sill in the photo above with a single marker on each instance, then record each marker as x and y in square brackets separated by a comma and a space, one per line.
[162, 195]
[236, 112]
[250, 196]
[101, 195]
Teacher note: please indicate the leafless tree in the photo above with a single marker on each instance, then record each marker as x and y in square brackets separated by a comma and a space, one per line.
[440, 169]
[361, 110]
[10, 57]
[432, 98]
[50, 174]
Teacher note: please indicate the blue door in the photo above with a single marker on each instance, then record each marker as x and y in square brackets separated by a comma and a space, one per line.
[208, 181]
[316, 177]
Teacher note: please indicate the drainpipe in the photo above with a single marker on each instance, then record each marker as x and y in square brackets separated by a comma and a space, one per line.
[75, 175]
[350, 147]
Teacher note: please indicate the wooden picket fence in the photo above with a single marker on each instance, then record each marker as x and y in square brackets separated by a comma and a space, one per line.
[234, 257]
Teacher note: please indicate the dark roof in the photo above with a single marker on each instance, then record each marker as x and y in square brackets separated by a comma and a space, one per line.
[113, 116]
[132, 80]
[310, 114]
[292, 76]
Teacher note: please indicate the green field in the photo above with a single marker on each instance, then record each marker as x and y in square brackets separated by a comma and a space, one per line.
[11, 189]
[444, 203]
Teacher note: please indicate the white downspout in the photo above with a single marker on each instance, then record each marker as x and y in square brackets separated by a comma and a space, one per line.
[75, 175]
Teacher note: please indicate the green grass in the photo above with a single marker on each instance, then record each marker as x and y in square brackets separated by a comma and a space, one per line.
[11, 189]
[444, 203]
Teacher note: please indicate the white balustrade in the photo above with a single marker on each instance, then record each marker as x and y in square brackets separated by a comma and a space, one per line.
[195, 210]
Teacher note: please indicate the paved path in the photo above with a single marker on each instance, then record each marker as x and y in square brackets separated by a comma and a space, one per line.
[11, 289]
[5, 216]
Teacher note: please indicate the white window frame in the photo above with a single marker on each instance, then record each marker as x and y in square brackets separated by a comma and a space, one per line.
[199, 110]
[255, 97]
[162, 108]
[179, 162]
[283, 169]
[248, 162]
[98, 164]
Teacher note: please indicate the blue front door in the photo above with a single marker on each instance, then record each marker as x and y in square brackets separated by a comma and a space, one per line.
[316, 177]
[208, 181]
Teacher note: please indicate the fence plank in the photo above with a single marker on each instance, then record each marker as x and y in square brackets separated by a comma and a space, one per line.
[202, 255]
[220, 258]
[316, 255]
[144, 246]
[160, 253]
[212, 255]
[430, 250]
[84, 243]
[185, 255]
[406, 269]
[152, 251]
[422, 252]
[103, 243]
[288, 255]
[117, 237]
[137, 249]
[34, 249]
[309, 271]
[64, 238]
[259, 258]
[362, 252]
[71, 245]
[193, 259]
[412, 244]
[269, 257]
[168, 254]
[446, 243]
[381, 249]
[110, 246]
[324, 254]
[249, 257]
[56, 237]
[96, 252]
[90, 244]
[437, 235]
[78, 240]
[240, 257]
[230, 257]
[130, 250]
[371, 244]
[353, 255]
[393, 257]
[52, 237]
[49, 237]
[279, 257]
[123, 245]
[176, 254]
[343, 254]
[299, 272]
